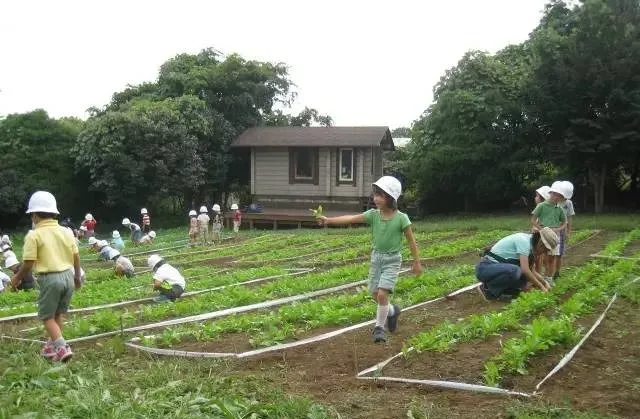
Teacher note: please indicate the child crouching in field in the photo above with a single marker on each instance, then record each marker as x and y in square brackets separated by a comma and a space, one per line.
[166, 279]
[388, 226]
[53, 255]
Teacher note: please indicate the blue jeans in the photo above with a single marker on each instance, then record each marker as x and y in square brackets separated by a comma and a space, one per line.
[500, 278]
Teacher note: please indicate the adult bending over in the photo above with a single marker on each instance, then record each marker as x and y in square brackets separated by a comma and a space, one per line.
[507, 267]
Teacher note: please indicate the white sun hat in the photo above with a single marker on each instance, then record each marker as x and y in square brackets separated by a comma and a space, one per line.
[42, 201]
[234, 206]
[390, 185]
[154, 260]
[544, 191]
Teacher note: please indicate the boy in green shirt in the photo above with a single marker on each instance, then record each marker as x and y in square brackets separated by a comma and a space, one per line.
[550, 214]
[388, 225]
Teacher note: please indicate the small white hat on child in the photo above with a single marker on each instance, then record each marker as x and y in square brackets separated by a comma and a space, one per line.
[125, 222]
[390, 185]
[143, 211]
[203, 209]
[92, 241]
[88, 217]
[152, 234]
[154, 260]
[569, 188]
[234, 206]
[42, 201]
[10, 261]
[560, 188]
[216, 207]
[192, 213]
[116, 234]
[544, 191]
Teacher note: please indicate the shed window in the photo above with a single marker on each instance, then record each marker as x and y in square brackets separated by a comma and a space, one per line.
[346, 165]
[303, 165]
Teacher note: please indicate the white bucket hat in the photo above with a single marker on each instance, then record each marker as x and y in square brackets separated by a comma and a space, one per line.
[42, 201]
[88, 217]
[559, 187]
[544, 191]
[152, 234]
[234, 206]
[568, 188]
[154, 260]
[92, 241]
[192, 213]
[216, 207]
[203, 209]
[115, 234]
[390, 185]
[143, 211]
[125, 222]
[11, 261]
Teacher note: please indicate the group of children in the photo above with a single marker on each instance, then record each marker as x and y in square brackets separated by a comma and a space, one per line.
[199, 224]
[555, 210]
[522, 261]
[51, 252]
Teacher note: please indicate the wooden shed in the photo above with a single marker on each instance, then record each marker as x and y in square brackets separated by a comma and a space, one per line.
[301, 167]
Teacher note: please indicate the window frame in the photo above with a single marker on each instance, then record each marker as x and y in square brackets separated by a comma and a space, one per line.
[315, 166]
[339, 179]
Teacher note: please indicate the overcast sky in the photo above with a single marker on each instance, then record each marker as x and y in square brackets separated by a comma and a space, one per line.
[362, 62]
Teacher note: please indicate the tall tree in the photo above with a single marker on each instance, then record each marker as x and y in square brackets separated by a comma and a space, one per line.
[37, 154]
[586, 88]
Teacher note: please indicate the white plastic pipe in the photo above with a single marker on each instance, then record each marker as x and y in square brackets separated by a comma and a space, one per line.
[450, 385]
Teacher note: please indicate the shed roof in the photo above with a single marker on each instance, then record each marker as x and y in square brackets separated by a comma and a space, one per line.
[315, 137]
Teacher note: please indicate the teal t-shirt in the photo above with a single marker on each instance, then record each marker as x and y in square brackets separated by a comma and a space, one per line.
[387, 234]
[513, 246]
[549, 215]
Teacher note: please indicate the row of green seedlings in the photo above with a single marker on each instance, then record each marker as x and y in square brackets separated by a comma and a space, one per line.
[291, 248]
[479, 326]
[362, 243]
[234, 248]
[547, 332]
[108, 320]
[617, 247]
[119, 289]
[513, 317]
[293, 321]
[114, 285]
[457, 246]
[104, 287]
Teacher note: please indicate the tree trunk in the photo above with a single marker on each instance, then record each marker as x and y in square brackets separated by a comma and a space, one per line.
[598, 178]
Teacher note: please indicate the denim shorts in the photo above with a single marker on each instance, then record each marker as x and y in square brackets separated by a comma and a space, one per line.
[383, 272]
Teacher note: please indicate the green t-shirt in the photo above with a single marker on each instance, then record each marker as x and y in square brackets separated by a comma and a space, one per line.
[387, 234]
[549, 215]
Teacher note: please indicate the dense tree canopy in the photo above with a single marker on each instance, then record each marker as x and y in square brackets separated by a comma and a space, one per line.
[563, 104]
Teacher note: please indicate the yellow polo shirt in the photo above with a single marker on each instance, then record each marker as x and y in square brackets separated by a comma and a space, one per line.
[50, 247]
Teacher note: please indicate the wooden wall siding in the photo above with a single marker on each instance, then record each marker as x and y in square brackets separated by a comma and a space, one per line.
[270, 173]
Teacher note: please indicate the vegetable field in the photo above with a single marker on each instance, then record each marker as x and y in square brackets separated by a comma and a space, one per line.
[278, 324]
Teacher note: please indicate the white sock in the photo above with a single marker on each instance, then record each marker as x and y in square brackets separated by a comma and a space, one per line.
[381, 315]
[392, 311]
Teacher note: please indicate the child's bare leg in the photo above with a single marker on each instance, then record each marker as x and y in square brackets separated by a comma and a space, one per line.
[53, 328]
[550, 265]
[558, 264]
